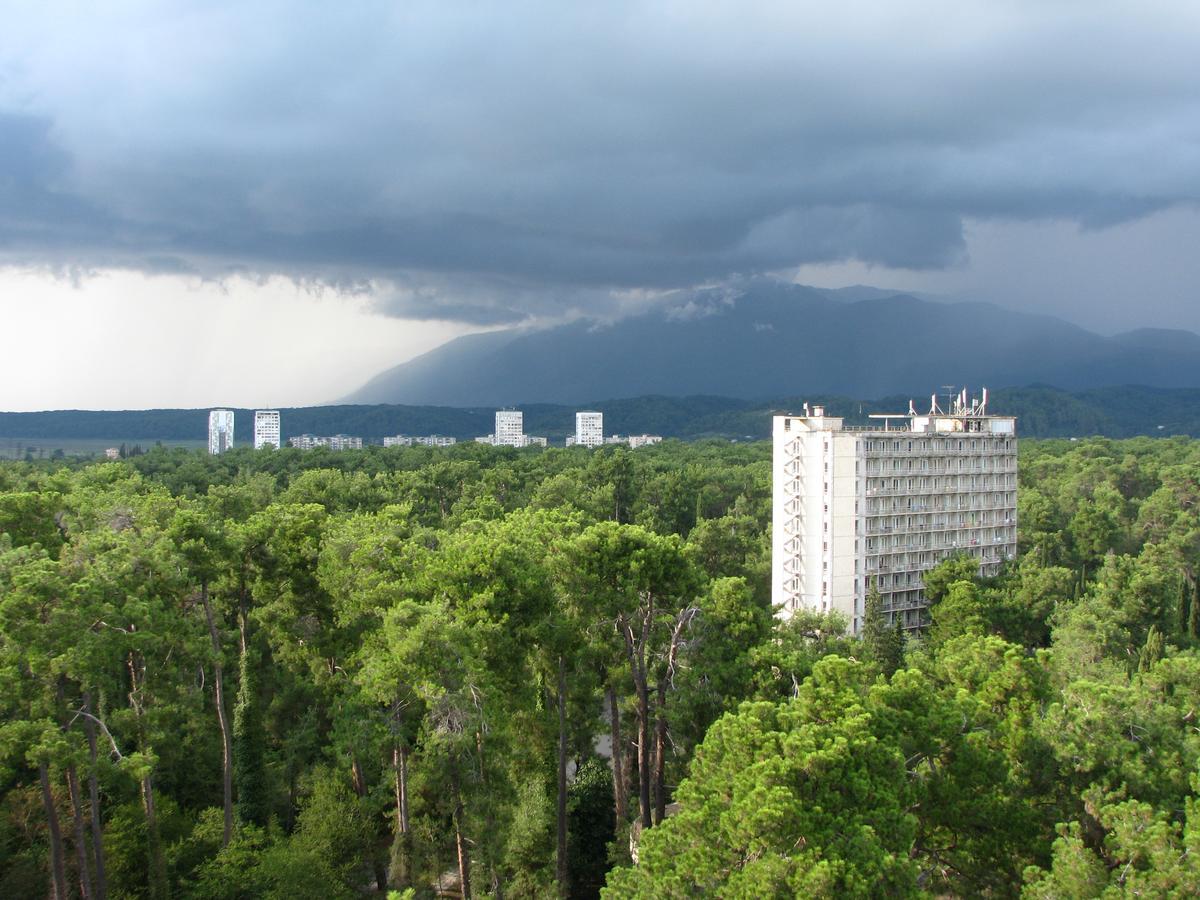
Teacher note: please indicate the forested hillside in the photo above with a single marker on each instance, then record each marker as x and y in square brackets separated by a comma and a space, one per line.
[324, 675]
[1042, 411]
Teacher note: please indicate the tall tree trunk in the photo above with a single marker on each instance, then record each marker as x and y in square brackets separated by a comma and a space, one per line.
[398, 875]
[360, 790]
[460, 844]
[158, 865]
[620, 788]
[157, 862]
[643, 700]
[222, 719]
[561, 867]
[89, 728]
[660, 752]
[635, 648]
[81, 853]
[58, 869]
[400, 760]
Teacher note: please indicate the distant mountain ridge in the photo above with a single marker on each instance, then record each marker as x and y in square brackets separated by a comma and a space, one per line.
[773, 339]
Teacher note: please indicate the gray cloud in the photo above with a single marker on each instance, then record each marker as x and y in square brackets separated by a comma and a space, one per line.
[488, 164]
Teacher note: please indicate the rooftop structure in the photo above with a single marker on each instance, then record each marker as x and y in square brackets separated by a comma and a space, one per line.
[220, 431]
[880, 505]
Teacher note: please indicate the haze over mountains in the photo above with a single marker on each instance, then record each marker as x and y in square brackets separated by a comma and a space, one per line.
[772, 339]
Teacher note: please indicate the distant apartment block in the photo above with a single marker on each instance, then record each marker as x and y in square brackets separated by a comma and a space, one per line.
[220, 431]
[634, 440]
[510, 431]
[644, 440]
[333, 442]
[112, 453]
[589, 429]
[510, 428]
[879, 506]
[429, 440]
[266, 429]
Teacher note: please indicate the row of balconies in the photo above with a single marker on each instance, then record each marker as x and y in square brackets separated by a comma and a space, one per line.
[998, 453]
[996, 500]
[912, 469]
[902, 567]
[964, 543]
[951, 488]
[874, 511]
[927, 546]
[933, 527]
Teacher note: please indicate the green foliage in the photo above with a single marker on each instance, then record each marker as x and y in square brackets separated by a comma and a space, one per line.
[439, 608]
[883, 644]
[249, 770]
[592, 827]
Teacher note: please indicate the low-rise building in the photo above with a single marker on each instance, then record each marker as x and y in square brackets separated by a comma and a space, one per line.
[333, 442]
[428, 440]
[633, 441]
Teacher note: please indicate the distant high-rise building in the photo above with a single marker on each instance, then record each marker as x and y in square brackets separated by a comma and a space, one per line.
[510, 428]
[220, 430]
[856, 508]
[266, 429]
[589, 429]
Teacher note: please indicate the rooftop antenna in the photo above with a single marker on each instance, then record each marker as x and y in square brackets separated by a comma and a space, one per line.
[983, 404]
[949, 389]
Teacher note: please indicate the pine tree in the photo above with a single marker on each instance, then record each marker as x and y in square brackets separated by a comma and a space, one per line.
[1194, 612]
[1151, 651]
[249, 771]
[883, 643]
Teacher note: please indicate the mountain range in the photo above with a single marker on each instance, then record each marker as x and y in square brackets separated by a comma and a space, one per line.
[771, 339]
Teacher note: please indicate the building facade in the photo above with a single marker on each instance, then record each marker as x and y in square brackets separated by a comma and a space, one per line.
[429, 440]
[510, 428]
[589, 429]
[266, 429]
[220, 431]
[333, 442]
[855, 507]
[643, 440]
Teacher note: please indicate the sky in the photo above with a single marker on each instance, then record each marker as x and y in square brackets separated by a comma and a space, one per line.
[266, 203]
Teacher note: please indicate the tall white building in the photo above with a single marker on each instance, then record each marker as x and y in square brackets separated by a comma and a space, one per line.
[510, 428]
[220, 430]
[589, 429]
[883, 504]
[266, 428]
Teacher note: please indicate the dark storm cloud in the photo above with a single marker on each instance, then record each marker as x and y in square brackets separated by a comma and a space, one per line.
[496, 162]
